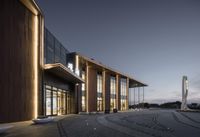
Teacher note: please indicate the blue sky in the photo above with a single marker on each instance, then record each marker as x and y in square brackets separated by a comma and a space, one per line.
[155, 41]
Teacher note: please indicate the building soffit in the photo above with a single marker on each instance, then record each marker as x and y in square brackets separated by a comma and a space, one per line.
[63, 72]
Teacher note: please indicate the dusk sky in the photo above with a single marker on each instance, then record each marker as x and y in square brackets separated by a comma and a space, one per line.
[155, 41]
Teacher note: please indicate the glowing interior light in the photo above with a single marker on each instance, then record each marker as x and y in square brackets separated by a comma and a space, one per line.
[70, 66]
[77, 61]
[77, 72]
[77, 66]
[35, 57]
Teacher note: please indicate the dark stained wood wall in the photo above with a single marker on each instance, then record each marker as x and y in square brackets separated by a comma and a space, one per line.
[107, 90]
[118, 90]
[16, 65]
[77, 98]
[92, 89]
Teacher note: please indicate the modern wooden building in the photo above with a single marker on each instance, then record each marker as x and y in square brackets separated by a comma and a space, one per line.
[39, 76]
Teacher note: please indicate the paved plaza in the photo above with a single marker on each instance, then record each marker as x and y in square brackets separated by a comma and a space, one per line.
[144, 123]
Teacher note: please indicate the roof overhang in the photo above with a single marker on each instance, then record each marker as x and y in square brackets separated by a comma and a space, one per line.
[63, 72]
[32, 6]
[135, 83]
[132, 81]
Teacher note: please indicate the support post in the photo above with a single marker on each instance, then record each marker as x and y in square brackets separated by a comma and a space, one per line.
[143, 97]
[138, 96]
[134, 96]
[130, 95]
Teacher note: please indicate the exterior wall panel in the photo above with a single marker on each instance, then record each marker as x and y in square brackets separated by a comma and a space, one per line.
[77, 98]
[118, 96]
[17, 71]
[92, 89]
[107, 90]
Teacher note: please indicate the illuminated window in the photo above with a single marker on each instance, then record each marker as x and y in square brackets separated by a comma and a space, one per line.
[70, 66]
[83, 95]
[112, 93]
[48, 102]
[99, 92]
[77, 72]
[55, 100]
[123, 93]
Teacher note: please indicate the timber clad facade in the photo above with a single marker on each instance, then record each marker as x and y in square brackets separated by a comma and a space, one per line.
[39, 76]
[19, 37]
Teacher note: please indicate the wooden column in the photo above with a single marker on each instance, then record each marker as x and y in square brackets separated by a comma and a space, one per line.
[92, 89]
[77, 98]
[106, 89]
[118, 95]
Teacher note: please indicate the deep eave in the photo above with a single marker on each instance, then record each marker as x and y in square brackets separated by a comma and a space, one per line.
[63, 72]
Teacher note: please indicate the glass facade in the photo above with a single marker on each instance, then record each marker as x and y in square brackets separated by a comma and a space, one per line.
[83, 93]
[99, 92]
[112, 93]
[48, 101]
[57, 101]
[123, 93]
[54, 51]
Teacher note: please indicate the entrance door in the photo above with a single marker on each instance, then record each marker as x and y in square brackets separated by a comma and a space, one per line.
[99, 105]
[60, 107]
[55, 112]
[57, 101]
[61, 103]
[68, 103]
[48, 102]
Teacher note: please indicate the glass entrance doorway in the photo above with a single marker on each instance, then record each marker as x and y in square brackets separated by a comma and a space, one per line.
[57, 101]
[48, 102]
[61, 103]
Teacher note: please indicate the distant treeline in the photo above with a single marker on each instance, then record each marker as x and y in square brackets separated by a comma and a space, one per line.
[170, 105]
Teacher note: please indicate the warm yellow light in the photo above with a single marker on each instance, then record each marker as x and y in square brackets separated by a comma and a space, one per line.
[77, 62]
[35, 57]
[42, 43]
[77, 65]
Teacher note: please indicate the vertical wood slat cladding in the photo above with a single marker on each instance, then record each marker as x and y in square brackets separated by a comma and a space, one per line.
[107, 90]
[118, 94]
[17, 66]
[103, 88]
[73, 101]
[40, 67]
[92, 89]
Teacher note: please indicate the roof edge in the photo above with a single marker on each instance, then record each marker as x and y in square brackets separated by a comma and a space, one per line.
[108, 68]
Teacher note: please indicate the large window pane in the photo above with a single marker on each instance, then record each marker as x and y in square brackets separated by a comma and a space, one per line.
[123, 92]
[99, 93]
[112, 92]
[54, 103]
[83, 98]
[48, 102]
